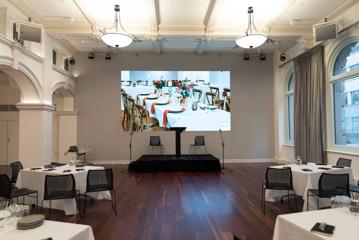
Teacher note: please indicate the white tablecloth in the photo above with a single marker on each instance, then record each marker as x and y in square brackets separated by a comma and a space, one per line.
[35, 179]
[200, 120]
[302, 181]
[297, 226]
[56, 230]
[134, 91]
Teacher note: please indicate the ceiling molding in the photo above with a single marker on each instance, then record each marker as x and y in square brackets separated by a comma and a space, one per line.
[201, 46]
[343, 7]
[68, 46]
[212, 12]
[20, 5]
[154, 16]
[157, 46]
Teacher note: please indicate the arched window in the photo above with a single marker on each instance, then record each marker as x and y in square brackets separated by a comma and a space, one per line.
[290, 108]
[345, 85]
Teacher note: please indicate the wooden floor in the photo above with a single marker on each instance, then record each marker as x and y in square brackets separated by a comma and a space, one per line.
[184, 206]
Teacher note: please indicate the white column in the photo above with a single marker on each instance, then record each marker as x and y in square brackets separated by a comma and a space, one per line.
[35, 134]
[67, 122]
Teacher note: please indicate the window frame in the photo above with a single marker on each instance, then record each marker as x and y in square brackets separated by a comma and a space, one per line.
[289, 76]
[332, 79]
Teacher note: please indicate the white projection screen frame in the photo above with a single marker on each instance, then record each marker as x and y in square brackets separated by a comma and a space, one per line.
[156, 100]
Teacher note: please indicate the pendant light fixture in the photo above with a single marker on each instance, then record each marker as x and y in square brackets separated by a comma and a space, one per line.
[117, 39]
[252, 38]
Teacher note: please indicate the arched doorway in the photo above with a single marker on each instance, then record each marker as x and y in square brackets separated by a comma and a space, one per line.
[10, 95]
[64, 122]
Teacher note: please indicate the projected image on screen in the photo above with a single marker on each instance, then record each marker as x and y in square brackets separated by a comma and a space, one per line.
[158, 100]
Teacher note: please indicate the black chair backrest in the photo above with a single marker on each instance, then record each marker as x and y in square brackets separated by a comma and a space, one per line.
[155, 141]
[73, 149]
[5, 186]
[59, 187]
[331, 185]
[99, 180]
[15, 169]
[279, 178]
[199, 140]
[344, 162]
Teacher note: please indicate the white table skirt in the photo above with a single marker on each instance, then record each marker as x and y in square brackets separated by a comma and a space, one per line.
[35, 180]
[302, 181]
[297, 226]
[56, 230]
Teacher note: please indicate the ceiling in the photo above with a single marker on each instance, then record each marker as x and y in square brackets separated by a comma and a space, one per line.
[199, 26]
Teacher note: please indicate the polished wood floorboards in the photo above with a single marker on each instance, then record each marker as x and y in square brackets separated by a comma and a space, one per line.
[184, 206]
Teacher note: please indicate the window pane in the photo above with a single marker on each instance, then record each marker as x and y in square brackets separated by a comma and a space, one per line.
[348, 59]
[290, 117]
[291, 83]
[346, 112]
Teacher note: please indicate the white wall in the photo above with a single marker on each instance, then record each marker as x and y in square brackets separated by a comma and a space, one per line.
[283, 151]
[98, 99]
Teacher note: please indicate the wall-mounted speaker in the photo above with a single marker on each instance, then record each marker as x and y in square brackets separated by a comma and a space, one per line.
[325, 31]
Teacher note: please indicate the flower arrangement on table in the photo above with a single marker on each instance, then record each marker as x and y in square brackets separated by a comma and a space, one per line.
[159, 84]
[185, 90]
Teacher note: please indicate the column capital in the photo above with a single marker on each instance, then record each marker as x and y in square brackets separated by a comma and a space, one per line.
[36, 106]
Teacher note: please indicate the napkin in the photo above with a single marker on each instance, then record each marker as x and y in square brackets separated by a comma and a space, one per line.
[165, 116]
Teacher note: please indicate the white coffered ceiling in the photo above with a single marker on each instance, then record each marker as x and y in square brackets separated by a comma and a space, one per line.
[198, 26]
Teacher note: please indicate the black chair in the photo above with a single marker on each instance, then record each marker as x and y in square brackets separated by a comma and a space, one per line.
[278, 179]
[16, 167]
[60, 187]
[198, 143]
[330, 185]
[155, 142]
[100, 180]
[344, 162]
[9, 193]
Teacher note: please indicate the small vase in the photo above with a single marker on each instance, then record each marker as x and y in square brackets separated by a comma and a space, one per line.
[183, 101]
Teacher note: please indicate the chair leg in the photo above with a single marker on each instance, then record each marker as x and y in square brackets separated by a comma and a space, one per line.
[307, 202]
[50, 210]
[114, 201]
[288, 199]
[37, 202]
[318, 203]
[295, 201]
[42, 206]
[264, 200]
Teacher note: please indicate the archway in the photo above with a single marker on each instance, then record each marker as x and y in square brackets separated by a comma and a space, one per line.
[27, 83]
[10, 95]
[64, 121]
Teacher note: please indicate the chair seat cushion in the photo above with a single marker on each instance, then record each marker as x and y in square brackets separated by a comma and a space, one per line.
[18, 192]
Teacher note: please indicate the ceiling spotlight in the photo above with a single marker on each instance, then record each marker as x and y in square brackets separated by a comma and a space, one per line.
[91, 55]
[282, 57]
[251, 38]
[246, 57]
[262, 57]
[72, 61]
[108, 56]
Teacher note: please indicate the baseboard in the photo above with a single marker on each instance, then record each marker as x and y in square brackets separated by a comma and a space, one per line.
[249, 160]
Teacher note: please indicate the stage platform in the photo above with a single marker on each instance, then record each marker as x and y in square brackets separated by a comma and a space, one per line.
[171, 163]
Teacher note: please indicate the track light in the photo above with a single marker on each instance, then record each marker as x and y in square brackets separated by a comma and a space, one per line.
[246, 57]
[91, 55]
[72, 61]
[282, 57]
[262, 57]
[108, 56]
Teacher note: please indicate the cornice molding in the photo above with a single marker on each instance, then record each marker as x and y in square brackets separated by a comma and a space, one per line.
[36, 106]
[67, 113]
